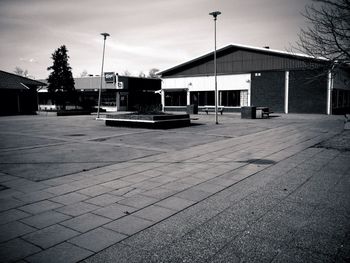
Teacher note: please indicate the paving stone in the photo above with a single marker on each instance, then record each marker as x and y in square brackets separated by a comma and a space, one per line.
[113, 185]
[209, 187]
[154, 213]
[9, 203]
[104, 199]
[40, 207]
[34, 196]
[12, 215]
[135, 178]
[62, 253]
[77, 209]
[147, 185]
[163, 179]
[193, 195]
[45, 219]
[129, 225]
[114, 211]
[58, 181]
[70, 198]
[159, 193]
[95, 190]
[16, 249]
[14, 229]
[175, 203]
[127, 192]
[50, 236]
[177, 186]
[97, 239]
[62, 189]
[85, 222]
[138, 201]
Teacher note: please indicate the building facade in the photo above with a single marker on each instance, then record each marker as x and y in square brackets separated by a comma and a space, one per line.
[18, 95]
[119, 93]
[250, 76]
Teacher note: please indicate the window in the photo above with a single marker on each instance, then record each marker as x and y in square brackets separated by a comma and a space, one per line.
[229, 98]
[176, 98]
[202, 98]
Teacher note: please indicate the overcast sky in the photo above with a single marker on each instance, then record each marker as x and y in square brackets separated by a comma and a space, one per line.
[145, 34]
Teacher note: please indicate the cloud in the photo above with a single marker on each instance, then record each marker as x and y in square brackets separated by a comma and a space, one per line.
[29, 60]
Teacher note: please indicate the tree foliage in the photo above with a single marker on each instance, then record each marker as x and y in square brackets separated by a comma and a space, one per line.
[328, 32]
[60, 81]
[153, 73]
[21, 72]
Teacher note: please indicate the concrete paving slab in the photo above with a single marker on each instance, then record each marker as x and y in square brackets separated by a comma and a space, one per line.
[45, 219]
[97, 239]
[9, 251]
[50, 236]
[259, 190]
[62, 253]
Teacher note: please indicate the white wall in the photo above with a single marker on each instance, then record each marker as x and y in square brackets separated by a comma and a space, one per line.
[225, 82]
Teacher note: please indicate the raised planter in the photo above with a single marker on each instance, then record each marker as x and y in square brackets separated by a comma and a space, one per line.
[152, 121]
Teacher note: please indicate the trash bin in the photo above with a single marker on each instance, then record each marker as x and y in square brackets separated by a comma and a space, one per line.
[248, 112]
[192, 109]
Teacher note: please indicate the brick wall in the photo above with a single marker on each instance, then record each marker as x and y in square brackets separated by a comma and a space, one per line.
[307, 91]
[267, 89]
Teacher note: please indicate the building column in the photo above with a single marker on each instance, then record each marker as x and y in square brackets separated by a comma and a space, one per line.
[329, 92]
[286, 92]
[117, 100]
[188, 97]
[162, 93]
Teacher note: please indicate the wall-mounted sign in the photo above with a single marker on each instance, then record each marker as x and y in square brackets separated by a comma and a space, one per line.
[109, 77]
[120, 85]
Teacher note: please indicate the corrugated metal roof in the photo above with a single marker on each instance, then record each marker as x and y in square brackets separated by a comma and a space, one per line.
[15, 82]
[245, 47]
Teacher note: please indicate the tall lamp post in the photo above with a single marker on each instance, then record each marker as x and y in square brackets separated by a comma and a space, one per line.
[105, 35]
[215, 14]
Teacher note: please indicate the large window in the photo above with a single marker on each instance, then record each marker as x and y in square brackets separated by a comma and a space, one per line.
[202, 98]
[229, 98]
[175, 98]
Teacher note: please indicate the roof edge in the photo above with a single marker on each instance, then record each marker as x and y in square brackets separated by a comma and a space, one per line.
[259, 49]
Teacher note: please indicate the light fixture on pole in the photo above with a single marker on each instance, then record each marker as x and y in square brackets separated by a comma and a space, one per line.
[215, 14]
[105, 35]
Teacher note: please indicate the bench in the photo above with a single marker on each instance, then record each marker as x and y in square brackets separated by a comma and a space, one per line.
[212, 108]
[265, 111]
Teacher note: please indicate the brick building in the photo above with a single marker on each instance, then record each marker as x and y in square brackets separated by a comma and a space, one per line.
[250, 76]
[18, 95]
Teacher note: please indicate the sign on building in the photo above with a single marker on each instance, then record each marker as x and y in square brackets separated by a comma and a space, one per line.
[109, 77]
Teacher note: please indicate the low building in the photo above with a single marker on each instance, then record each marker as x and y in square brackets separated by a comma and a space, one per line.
[18, 95]
[119, 93]
[250, 76]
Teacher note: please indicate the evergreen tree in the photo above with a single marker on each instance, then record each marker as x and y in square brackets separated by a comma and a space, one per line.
[60, 81]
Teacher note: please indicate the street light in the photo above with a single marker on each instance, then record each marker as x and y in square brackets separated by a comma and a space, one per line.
[215, 14]
[105, 35]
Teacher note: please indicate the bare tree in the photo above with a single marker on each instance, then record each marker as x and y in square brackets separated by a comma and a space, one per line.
[84, 73]
[153, 73]
[126, 73]
[21, 72]
[328, 32]
[142, 75]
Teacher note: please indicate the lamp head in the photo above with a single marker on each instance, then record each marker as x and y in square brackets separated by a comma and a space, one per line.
[215, 14]
[105, 35]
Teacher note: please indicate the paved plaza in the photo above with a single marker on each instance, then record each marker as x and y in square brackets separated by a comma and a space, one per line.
[265, 190]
